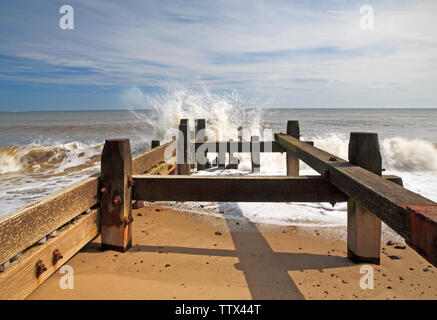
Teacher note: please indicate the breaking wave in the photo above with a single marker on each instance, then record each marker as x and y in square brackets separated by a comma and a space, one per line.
[49, 159]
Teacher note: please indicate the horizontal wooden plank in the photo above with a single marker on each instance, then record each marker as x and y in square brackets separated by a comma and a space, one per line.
[19, 279]
[244, 146]
[152, 157]
[235, 189]
[412, 216]
[240, 147]
[23, 227]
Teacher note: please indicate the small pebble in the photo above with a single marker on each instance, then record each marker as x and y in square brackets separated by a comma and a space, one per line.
[400, 247]
[395, 257]
[4, 266]
[42, 241]
[52, 234]
[16, 257]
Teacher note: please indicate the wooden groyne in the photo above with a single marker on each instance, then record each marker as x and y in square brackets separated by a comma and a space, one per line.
[67, 220]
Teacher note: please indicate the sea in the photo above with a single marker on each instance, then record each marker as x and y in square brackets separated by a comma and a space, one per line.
[42, 152]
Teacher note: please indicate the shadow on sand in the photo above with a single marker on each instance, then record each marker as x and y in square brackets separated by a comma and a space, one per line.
[265, 270]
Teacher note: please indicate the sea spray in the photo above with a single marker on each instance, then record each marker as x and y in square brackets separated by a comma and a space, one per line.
[224, 113]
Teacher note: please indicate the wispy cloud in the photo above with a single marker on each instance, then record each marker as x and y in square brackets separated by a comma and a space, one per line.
[294, 53]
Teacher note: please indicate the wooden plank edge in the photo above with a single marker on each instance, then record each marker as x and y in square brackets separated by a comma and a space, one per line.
[151, 158]
[25, 226]
[19, 279]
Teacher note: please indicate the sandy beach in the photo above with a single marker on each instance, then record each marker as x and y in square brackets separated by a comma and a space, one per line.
[180, 255]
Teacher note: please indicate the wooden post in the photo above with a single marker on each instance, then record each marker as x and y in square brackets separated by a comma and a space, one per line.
[293, 161]
[240, 133]
[255, 154]
[200, 136]
[183, 148]
[363, 227]
[116, 195]
[155, 144]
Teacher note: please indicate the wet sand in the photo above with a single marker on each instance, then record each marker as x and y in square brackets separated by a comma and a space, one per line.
[179, 255]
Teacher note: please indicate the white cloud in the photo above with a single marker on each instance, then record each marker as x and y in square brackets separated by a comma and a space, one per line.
[285, 50]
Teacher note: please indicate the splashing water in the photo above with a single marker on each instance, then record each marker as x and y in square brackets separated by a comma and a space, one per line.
[224, 113]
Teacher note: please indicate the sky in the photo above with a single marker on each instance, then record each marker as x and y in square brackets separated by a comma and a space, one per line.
[288, 54]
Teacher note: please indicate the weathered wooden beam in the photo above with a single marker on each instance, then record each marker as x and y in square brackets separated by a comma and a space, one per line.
[238, 146]
[20, 279]
[151, 158]
[235, 189]
[363, 227]
[116, 195]
[23, 227]
[239, 188]
[409, 214]
[293, 161]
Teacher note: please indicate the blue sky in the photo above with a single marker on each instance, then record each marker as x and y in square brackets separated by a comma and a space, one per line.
[287, 53]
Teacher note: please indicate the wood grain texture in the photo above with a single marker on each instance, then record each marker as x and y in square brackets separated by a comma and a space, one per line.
[23, 227]
[152, 157]
[412, 216]
[363, 227]
[19, 279]
[235, 189]
[116, 199]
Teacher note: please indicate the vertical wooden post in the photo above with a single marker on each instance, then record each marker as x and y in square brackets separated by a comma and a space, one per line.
[293, 161]
[116, 195]
[183, 148]
[363, 227]
[255, 154]
[155, 144]
[240, 133]
[200, 136]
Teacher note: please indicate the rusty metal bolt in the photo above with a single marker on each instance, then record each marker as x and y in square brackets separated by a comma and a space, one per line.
[56, 256]
[130, 181]
[128, 220]
[332, 159]
[40, 268]
[117, 200]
